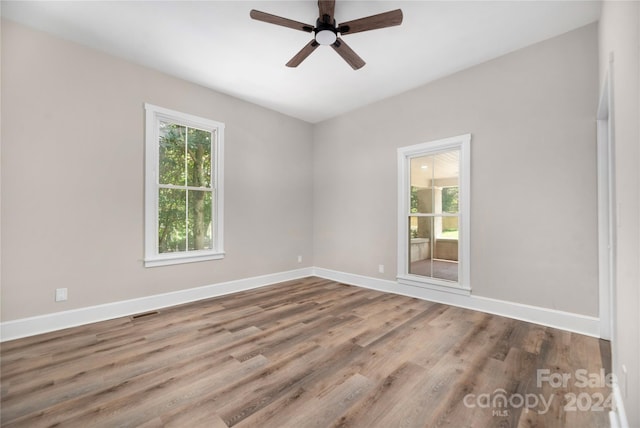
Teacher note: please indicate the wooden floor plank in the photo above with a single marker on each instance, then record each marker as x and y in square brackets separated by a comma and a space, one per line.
[307, 352]
[383, 398]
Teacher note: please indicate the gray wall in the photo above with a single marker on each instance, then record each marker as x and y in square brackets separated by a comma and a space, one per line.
[531, 114]
[620, 36]
[73, 179]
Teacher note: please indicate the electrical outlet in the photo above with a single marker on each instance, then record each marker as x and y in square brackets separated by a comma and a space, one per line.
[381, 268]
[61, 294]
[299, 259]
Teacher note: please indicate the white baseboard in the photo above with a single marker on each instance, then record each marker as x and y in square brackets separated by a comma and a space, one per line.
[617, 415]
[59, 320]
[577, 323]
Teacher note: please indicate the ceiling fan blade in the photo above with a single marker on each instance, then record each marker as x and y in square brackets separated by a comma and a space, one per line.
[381, 20]
[303, 54]
[348, 54]
[326, 7]
[278, 20]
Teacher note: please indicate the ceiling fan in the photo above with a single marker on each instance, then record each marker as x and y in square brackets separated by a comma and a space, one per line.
[326, 32]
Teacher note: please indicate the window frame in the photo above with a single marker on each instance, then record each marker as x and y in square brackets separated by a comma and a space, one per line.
[405, 154]
[153, 115]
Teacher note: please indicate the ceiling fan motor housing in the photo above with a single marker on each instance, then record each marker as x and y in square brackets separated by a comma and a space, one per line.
[325, 33]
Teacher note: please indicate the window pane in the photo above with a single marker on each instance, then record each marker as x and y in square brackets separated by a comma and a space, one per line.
[200, 228]
[449, 228]
[429, 254]
[172, 226]
[172, 148]
[445, 249]
[445, 270]
[446, 170]
[420, 242]
[199, 158]
[421, 185]
[450, 200]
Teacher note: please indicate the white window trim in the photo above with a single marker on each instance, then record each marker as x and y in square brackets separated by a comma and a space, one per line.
[461, 142]
[152, 257]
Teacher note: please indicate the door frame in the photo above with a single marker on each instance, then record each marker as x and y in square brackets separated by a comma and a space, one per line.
[606, 209]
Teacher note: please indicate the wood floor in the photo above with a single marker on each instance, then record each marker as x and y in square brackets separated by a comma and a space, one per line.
[306, 353]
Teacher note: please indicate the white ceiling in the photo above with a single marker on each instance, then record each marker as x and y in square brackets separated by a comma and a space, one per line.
[217, 45]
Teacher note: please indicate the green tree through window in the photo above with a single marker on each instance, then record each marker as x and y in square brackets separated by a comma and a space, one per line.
[450, 199]
[184, 215]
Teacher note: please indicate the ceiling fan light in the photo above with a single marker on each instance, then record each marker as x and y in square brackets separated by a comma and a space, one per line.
[326, 37]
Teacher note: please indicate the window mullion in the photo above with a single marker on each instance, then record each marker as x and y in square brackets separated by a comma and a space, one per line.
[186, 183]
[173, 186]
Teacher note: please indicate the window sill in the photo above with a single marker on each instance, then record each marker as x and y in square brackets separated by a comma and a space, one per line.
[434, 284]
[174, 259]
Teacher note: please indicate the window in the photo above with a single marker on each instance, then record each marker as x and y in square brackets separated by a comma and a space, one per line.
[183, 188]
[433, 214]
